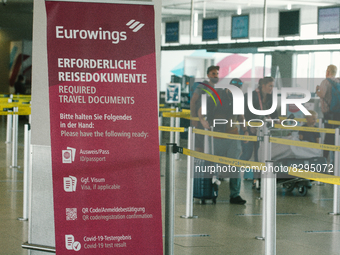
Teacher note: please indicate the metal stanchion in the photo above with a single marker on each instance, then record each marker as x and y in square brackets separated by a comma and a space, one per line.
[270, 238]
[260, 140]
[9, 127]
[177, 134]
[267, 156]
[27, 153]
[160, 123]
[206, 144]
[322, 137]
[9, 123]
[336, 191]
[15, 138]
[172, 124]
[169, 199]
[189, 214]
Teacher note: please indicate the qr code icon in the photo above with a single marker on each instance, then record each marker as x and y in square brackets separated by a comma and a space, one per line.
[71, 213]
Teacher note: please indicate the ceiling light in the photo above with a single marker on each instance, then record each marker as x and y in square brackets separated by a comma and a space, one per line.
[239, 10]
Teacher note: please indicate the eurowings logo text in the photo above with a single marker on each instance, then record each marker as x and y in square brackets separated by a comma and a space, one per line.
[204, 97]
[135, 25]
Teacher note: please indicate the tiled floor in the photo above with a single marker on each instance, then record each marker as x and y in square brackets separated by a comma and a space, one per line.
[303, 223]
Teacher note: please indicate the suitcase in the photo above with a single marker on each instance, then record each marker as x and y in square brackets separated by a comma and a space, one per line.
[203, 186]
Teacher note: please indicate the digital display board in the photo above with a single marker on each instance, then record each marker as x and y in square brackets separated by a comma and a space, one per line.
[329, 20]
[172, 32]
[240, 27]
[289, 23]
[210, 29]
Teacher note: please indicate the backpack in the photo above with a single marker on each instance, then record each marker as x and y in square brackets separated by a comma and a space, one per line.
[334, 106]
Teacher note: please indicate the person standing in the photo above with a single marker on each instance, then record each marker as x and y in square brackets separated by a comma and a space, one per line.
[230, 148]
[195, 102]
[324, 91]
[19, 85]
[262, 100]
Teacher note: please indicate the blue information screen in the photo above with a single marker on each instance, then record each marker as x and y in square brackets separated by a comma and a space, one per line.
[210, 29]
[240, 27]
[172, 32]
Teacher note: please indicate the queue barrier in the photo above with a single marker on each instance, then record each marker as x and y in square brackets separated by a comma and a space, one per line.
[235, 162]
[172, 129]
[167, 109]
[308, 129]
[242, 163]
[185, 113]
[332, 122]
[330, 179]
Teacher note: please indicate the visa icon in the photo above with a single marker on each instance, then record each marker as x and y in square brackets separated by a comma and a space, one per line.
[70, 184]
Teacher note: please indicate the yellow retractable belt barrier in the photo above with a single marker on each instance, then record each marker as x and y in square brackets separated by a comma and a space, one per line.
[225, 135]
[23, 109]
[175, 114]
[260, 166]
[183, 115]
[172, 129]
[314, 176]
[327, 147]
[167, 109]
[223, 160]
[325, 178]
[308, 129]
[333, 122]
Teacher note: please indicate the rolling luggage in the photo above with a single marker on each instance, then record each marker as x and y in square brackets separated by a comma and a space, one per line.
[204, 188]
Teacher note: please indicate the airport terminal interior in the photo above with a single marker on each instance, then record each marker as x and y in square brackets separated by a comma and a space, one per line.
[305, 220]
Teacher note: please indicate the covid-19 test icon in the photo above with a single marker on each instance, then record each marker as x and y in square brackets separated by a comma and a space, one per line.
[71, 244]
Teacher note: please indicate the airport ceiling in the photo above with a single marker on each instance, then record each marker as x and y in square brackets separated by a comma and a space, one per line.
[16, 16]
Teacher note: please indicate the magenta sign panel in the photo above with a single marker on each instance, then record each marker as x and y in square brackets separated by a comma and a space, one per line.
[104, 128]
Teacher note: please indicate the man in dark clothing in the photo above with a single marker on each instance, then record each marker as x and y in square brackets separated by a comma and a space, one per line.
[195, 102]
[19, 85]
[230, 148]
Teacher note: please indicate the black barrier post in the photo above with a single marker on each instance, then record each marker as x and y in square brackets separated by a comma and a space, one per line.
[171, 149]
